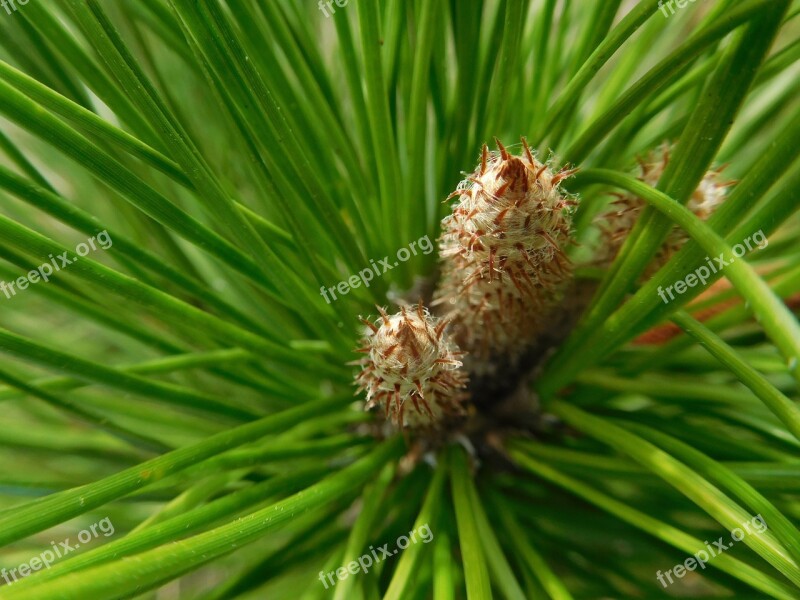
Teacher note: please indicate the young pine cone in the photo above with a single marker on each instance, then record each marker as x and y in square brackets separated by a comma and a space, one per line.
[502, 258]
[412, 369]
[616, 224]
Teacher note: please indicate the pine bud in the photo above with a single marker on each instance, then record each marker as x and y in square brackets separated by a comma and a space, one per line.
[412, 368]
[616, 224]
[502, 257]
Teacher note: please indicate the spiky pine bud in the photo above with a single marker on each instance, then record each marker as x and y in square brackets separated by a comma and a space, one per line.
[502, 257]
[616, 224]
[412, 368]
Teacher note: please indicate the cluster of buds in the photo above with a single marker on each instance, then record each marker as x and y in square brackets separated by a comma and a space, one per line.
[502, 256]
[504, 268]
[616, 224]
[412, 368]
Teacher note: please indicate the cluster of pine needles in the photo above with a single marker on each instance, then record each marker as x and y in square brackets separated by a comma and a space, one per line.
[579, 435]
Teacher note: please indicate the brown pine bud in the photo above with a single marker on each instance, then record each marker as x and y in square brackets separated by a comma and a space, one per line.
[412, 368]
[502, 257]
[616, 223]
